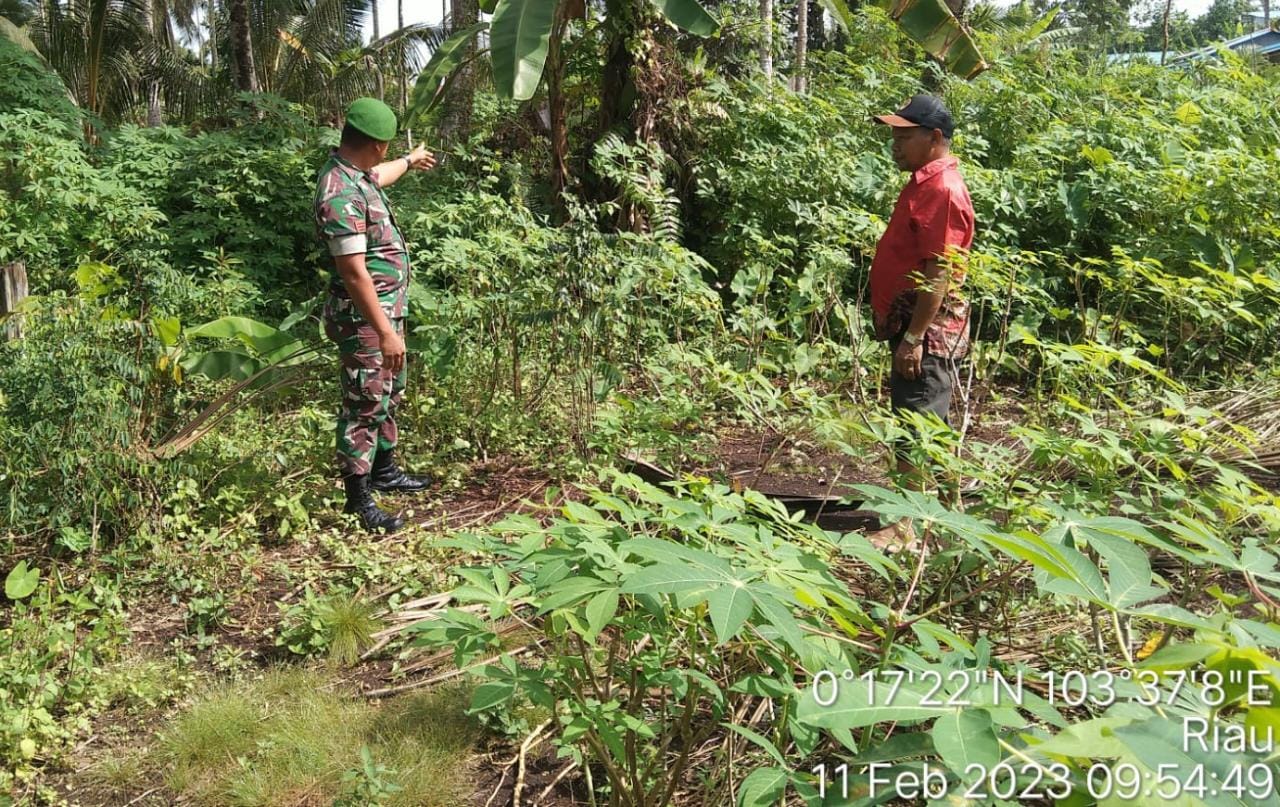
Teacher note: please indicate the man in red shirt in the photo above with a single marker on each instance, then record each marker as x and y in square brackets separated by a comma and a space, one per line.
[918, 269]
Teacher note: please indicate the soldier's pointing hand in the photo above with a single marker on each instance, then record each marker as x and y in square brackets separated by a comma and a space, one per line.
[421, 158]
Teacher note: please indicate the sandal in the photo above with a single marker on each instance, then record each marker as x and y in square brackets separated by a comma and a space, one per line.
[895, 538]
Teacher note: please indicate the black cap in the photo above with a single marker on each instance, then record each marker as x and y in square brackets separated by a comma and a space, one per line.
[922, 110]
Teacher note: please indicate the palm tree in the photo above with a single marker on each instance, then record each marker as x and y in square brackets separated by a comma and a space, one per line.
[455, 118]
[98, 48]
[246, 75]
[155, 13]
[317, 55]
[120, 58]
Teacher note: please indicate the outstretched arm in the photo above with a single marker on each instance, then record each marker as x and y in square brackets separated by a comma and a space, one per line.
[391, 170]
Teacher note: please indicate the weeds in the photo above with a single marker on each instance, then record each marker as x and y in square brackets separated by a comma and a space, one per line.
[292, 731]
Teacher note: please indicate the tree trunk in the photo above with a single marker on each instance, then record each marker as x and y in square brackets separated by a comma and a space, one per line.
[799, 82]
[1266, 13]
[766, 38]
[1164, 42]
[155, 105]
[555, 102]
[615, 102]
[371, 62]
[13, 290]
[373, 9]
[455, 118]
[404, 87]
[246, 76]
[817, 26]
[211, 11]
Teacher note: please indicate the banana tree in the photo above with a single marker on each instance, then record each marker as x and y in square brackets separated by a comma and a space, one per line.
[931, 25]
[525, 35]
[259, 359]
[520, 37]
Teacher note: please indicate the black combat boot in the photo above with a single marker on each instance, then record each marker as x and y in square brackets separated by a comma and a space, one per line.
[360, 501]
[388, 478]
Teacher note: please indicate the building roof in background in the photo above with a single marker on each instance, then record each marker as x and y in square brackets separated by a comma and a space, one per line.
[1263, 40]
[1249, 39]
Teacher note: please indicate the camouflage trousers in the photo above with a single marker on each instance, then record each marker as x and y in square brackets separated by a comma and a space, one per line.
[370, 395]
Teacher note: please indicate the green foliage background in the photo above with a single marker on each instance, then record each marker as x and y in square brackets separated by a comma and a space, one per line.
[1124, 273]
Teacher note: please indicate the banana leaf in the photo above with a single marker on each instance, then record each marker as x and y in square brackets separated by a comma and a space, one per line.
[518, 39]
[688, 15]
[269, 342]
[932, 25]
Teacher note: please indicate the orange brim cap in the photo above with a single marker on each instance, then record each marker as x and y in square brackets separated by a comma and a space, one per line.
[895, 120]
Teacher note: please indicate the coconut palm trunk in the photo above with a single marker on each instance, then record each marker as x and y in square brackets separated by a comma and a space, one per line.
[246, 77]
[211, 9]
[1164, 36]
[455, 121]
[155, 103]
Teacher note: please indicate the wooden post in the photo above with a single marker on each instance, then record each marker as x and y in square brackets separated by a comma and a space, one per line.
[13, 290]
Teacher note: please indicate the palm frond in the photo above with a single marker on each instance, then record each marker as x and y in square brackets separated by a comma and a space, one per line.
[93, 45]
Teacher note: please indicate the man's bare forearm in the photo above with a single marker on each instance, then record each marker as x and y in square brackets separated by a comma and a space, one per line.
[928, 297]
[359, 285]
[390, 171]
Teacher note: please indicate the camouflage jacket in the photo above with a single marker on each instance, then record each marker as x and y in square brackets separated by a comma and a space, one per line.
[353, 215]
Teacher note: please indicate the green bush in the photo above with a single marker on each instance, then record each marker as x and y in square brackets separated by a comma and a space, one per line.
[237, 202]
[525, 328]
[81, 390]
[54, 644]
[57, 210]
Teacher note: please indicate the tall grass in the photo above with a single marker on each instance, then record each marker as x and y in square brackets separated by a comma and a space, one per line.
[289, 737]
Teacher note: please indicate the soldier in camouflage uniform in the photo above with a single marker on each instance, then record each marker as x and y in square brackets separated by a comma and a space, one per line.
[365, 310]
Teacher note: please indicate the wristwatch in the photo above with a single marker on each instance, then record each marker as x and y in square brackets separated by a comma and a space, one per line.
[911, 339]
[408, 163]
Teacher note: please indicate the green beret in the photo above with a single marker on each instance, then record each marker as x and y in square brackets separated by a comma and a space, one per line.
[374, 118]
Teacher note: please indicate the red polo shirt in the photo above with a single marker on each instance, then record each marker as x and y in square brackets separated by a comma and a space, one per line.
[933, 215]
